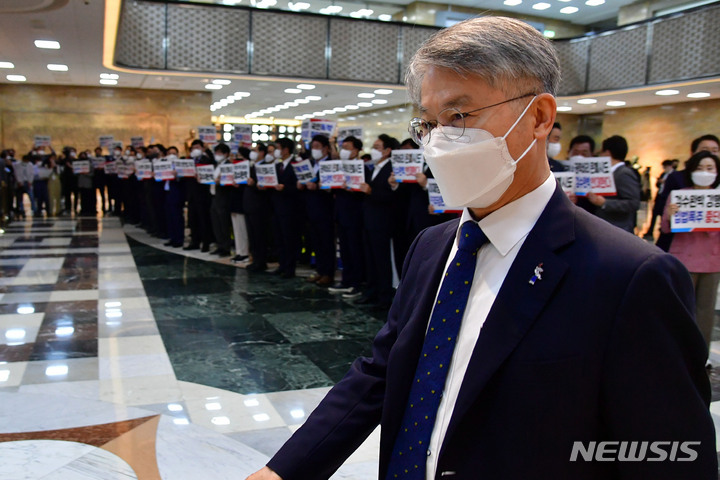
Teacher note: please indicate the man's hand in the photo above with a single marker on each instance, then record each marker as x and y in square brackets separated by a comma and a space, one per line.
[300, 186]
[312, 186]
[251, 182]
[391, 180]
[596, 199]
[264, 474]
[673, 208]
[280, 187]
[365, 188]
[421, 179]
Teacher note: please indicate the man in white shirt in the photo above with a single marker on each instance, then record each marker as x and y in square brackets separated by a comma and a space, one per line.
[574, 341]
[24, 176]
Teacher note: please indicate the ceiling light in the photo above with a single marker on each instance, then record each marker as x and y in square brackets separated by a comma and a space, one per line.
[240, 95]
[297, 6]
[564, 109]
[383, 91]
[7, 65]
[213, 108]
[106, 81]
[49, 44]
[363, 12]
[223, 102]
[281, 107]
[587, 101]
[221, 82]
[385, 17]
[665, 93]
[56, 370]
[365, 104]
[293, 90]
[291, 104]
[109, 76]
[302, 101]
[549, 33]
[318, 114]
[568, 10]
[512, 3]
[351, 107]
[212, 86]
[306, 86]
[330, 9]
[16, 78]
[698, 95]
[299, 117]
[329, 112]
[313, 98]
[366, 95]
[379, 101]
[594, 3]
[615, 103]
[541, 6]
[340, 109]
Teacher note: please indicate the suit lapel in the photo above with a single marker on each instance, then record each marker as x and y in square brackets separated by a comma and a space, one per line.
[518, 303]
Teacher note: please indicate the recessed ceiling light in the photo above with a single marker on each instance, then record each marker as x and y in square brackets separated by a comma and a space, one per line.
[293, 90]
[302, 101]
[541, 6]
[365, 104]
[306, 86]
[666, 93]
[385, 17]
[330, 9]
[212, 86]
[587, 101]
[49, 44]
[291, 104]
[57, 67]
[363, 12]
[549, 33]
[340, 109]
[105, 81]
[512, 3]
[594, 3]
[297, 6]
[240, 95]
[366, 95]
[16, 78]
[383, 91]
[221, 82]
[351, 107]
[329, 112]
[698, 95]
[568, 10]
[615, 103]
[7, 65]
[379, 101]
[564, 109]
[318, 114]
[313, 98]
[110, 76]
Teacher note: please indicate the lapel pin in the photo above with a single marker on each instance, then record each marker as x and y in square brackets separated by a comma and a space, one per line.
[538, 274]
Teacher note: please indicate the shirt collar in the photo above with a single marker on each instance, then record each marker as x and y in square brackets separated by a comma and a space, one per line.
[287, 161]
[616, 166]
[382, 164]
[509, 224]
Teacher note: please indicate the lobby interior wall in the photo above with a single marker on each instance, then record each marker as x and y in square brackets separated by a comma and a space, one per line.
[77, 116]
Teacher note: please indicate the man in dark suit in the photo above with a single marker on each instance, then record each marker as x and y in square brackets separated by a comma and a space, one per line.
[288, 208]
[572, 332]
[619, 209]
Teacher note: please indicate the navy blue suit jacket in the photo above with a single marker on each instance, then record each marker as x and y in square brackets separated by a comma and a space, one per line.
[603, 348]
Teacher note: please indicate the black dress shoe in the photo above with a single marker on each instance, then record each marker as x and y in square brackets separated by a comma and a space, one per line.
[256, 267]
[205, 249]
[191, 247]
[169, 244]
[176, 245]
[366, 300]
[220, 252]
[239, 258]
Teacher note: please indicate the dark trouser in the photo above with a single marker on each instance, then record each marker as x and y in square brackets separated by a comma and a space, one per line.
[42, 198]
[158, 206]
[148, 215]
[88, 202]
[20, 192]
[199, 203]
[258, 225]
[174, 212]
[322, 234]
[99, 182]
[379, 268]
[220, 216]
[111, 181]
[288, 228]
[351, 254]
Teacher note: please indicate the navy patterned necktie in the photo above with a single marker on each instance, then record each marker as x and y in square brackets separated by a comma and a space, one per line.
[409, 455]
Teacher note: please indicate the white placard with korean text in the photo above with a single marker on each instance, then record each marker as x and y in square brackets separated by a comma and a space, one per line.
[406, 164]
[205, 174]
[331, 174]
[42, 140]
[243, 135]
[81, 167]
[241, 172]
[227, 174]
[266, 175]
[137, 142]
[111, 168]
[436, 199]
[698, 210]
[354, 171]
[316, 126]
[304, 171]
[344, 132]
[593, 175]
[143, 170]
[98, 163]
[106, 141]
[163, 170]
[566, 181]
[184, 167]
[207, 134]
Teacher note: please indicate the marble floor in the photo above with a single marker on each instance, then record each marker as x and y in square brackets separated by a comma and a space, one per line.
[124, 359]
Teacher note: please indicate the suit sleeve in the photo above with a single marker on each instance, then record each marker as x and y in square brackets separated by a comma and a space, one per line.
[651, 396]
[346, 416]
[628, 194]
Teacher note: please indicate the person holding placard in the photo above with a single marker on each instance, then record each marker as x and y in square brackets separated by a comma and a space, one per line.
[619, 209]
[319, 206]
[258, 210]
[88, 200]
[40, 185]
[378, 225]
[349, 217]
[24, 176]
[156, 155]
[237, 212]
[288, 210]
[174, 203]
[199, 202]
[699, 251]
[99, 178]
[220, 205]
[68, 181]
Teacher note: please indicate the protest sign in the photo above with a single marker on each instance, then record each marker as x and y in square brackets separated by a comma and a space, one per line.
[81, 167]
[354, 171]
[698, 210]
[184, 167]
[106, 141]
[406, 164]
[331, 174]
[344, 132]
[227, 174]
[304, 171]
[207, 134]
[593, 175]
[436, 199]
[243, 135]
[205, 174]
[163, 170]
[111, 168]
[566, 181]
[137, 142]
[266, 175]
[42, 140]
[98, 163]
[316, 126]
[241, 172]
[143, 170]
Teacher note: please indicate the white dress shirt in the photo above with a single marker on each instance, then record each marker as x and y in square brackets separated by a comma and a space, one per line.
[378, 167]
[506, 229]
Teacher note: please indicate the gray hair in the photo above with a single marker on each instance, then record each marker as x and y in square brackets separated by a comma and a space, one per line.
[506, 53]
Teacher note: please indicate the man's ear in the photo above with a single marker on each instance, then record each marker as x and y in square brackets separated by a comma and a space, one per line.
[545, 109]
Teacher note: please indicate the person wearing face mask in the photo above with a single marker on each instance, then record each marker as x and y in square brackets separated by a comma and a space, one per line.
[100, 179]
[24, 176]
[220, 206]
[554, 148]
[378, 225]
[112, 181]
[349, 218]
[199, 201]
[699, 251]
[156, 153]
[258, 211]
[88, 199]
[174, 203]
[68, 182]
[7, 190]
[123, 204]
[237, 214]
[525, 327]
[319, 206]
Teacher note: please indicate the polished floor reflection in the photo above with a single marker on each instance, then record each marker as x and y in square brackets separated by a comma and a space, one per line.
[123, 359]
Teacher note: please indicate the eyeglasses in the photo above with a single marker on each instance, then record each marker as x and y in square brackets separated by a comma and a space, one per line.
[420, 129]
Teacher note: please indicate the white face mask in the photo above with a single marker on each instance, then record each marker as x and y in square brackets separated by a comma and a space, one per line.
[316, 153]
[375, 154]
[278, 154]
[553, 149]
[73, 155]
[702, 178]
[219, 157]
[139, 156]
[171, 158]
[476, 169]
[345, 154]
[117, 153]
[195, 153]
[254, 156]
